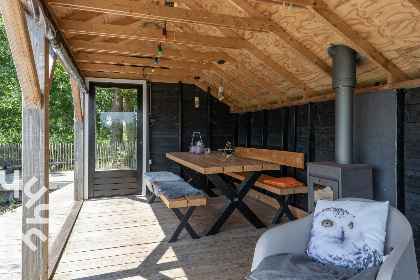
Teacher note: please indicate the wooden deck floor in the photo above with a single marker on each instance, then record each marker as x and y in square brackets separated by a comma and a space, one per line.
[11, 231]
[126, 238]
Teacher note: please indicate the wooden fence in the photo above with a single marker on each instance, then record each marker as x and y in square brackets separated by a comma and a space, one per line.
[116, 156]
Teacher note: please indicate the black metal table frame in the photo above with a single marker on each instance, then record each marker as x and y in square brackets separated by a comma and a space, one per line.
[235, 201]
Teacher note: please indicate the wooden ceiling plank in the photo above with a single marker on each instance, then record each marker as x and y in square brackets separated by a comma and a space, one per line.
[286, 37]
[361, 45]
[155, 12]
[23, 57]
[126, 60]
[134, 50]
[227, 91]
[129, 32]
[137, 70]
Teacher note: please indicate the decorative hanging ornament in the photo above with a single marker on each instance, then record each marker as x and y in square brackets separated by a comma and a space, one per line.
[164, 35]
[221, 93]
[160, 48]
[196, 99]
[289, 9]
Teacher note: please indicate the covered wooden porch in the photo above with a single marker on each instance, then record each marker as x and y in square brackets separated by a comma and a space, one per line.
[256, 73]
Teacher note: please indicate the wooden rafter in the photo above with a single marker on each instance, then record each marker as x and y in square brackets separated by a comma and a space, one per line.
[286, 37]
[138, 50]
[155, 12]
[361, 45]
[137, 76]
[125, 60]
[20, 45]
[415, 3]
[129, 32]
[310, 3]
[241, 67]
[137, 70]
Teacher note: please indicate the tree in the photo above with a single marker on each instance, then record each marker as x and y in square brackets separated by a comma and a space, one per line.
[61, 101]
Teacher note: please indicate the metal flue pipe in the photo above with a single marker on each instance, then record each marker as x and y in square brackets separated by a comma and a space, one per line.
[344, 82]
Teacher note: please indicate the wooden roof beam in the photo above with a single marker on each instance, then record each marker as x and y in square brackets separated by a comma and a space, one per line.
[415, 3]
[137, 70]
[154, 12]
[286, 38]
[309, 3]
[125, 60]
[20, 44]
[361, 45]
[138, 50]
[129, 32]
[77, 103]
[136, 76]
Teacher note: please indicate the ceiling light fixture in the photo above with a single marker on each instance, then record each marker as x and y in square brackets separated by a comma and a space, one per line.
[221, 93]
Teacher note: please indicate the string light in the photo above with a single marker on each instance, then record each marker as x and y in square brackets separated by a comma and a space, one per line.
[153, 69]
[156, 60]
[164, 35]
[221, 93]
[171, 4]
[160, 48]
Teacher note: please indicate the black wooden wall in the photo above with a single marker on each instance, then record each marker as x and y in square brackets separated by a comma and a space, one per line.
[212, 119]
[412, 162]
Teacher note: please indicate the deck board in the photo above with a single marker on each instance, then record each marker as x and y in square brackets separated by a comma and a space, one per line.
[126, 238]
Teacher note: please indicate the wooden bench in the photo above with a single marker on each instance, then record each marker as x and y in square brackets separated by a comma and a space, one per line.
[190, 202]
[283, 195]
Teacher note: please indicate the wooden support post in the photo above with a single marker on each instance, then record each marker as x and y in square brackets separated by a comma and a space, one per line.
[35, 155]
[248, 130]
[284, 135]
[78, 140]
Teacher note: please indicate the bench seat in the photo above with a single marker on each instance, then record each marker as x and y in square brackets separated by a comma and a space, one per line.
[271, 188]
[185, 201]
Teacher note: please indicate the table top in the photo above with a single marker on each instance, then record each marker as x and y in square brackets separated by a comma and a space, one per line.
[213, 164]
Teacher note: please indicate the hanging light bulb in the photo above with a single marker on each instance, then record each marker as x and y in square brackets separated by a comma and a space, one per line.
[156, 60]
[171, 4]
[153, 69]
[164, 35]
[196, 99]
[221, 93]
[160, 48]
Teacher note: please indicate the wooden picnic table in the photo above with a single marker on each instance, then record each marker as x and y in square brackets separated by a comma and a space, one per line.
[213, 166]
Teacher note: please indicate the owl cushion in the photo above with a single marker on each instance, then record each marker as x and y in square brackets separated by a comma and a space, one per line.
[348, 233]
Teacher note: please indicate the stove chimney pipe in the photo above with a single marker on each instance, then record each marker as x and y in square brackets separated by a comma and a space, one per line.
[344, 82]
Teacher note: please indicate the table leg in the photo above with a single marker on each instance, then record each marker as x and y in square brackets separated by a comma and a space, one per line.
[235, 201]
[205, 188]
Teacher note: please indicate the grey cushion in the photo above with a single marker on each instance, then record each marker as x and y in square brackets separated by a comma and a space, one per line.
[176, 189]
[151, 178]
[301, 267]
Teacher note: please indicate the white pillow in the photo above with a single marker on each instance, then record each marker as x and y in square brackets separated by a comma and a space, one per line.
[348, 233]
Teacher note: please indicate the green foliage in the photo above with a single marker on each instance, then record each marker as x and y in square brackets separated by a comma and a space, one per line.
[61, 100]
[10, 95]
[3, 201]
